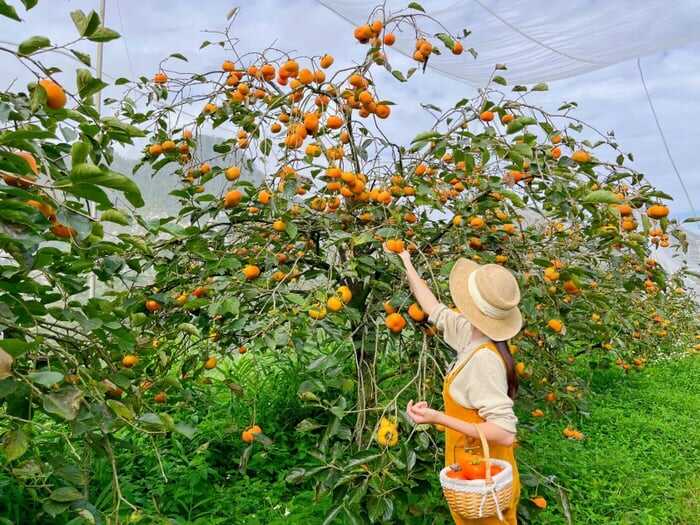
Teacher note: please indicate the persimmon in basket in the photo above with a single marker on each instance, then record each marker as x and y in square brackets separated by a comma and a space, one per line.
[471, 468]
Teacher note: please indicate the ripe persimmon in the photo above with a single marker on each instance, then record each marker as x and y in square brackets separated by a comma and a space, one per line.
[334, 304]
[363, 33]
[251, 272]
[416, 313]
[152, 305]
[129, 360]
[657, 211]
[248, 435]
[345, 294]
[581, 156]
[334, 122]
[232, 173]
[55, 95]
[395, 245]
[486, 116]
[395, 322]
[63, 231]
[29, 159]
[382, 111]
[264, 197]
[555, 325]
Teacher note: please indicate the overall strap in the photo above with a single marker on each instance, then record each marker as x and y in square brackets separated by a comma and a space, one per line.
[457, 369]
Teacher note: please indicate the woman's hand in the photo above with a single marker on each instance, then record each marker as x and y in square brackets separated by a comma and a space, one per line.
[404, 255]
[421, 413]
[391, 252]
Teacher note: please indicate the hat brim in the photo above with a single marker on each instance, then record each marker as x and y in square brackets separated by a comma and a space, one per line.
[496, 329]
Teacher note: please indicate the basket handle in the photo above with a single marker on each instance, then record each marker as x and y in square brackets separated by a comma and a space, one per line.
[484, 448]
[487, 455]
[462, 439]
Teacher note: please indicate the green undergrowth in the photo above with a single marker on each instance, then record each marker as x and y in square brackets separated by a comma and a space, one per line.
[637, 465]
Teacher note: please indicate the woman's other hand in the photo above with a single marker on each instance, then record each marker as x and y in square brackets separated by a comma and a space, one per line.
[421, 413]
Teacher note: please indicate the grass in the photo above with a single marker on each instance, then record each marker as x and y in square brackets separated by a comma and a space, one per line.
[639, 462]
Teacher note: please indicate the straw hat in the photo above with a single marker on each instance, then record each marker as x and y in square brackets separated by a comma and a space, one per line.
[488, 296]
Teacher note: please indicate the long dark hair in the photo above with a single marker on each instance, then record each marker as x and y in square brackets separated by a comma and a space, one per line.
[510, 368]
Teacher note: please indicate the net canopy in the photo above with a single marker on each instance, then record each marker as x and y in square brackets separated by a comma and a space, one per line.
[539, 40]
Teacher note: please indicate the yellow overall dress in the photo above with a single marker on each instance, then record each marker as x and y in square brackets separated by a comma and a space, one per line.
[456, 443]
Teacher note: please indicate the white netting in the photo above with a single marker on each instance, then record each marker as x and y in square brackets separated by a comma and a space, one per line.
[541, 40]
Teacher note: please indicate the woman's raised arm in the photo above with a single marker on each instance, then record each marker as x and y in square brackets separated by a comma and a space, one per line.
[425, 297]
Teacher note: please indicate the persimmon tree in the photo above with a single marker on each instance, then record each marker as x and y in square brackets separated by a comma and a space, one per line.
[294, 266]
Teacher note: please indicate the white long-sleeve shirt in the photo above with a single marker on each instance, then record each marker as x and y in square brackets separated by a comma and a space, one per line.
[482, 384]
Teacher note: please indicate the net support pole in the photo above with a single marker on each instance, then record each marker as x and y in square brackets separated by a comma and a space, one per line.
[98, 105]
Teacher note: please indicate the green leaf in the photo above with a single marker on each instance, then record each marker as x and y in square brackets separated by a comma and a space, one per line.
[514, 127]
[83, 57]
[103, 34]
[15, 347]
[39, 99]
[519, 123]
[86, 25]
[186, 430]
[15, 444]
[307, 425]
[296, 475]
[90, 192]
[8, 11]
[120, 409]
[79, 153]
[114, 216]
[129, 129]
[45, 377]
[446, 39]
[291, 230]
[540, 87]
[188, 328]
[513, 197]
[64, 403]
[600, 197]
[32, 44]
[87, 84]
[398, 75]
[426, 136]
[498, 79]
[91, 174]
[416, 6]
[266, 146]
[65, 494]
[692, 219]
[179, 56]
[151, 421]
[28, 4]
[230, 305]
[330, 518]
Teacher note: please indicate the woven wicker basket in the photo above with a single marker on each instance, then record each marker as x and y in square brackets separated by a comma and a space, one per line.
[480, 498]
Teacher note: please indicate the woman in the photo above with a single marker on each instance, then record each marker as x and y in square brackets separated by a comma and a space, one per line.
[481, 385]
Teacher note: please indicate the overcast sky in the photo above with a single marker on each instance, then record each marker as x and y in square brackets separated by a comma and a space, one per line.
[611, 98]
